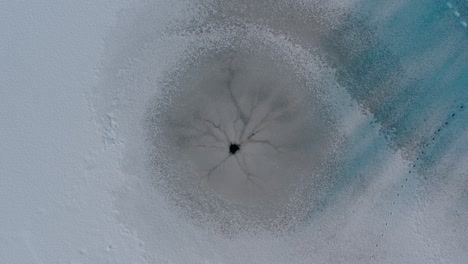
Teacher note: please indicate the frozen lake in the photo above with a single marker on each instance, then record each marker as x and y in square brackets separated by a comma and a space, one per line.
[234, 131]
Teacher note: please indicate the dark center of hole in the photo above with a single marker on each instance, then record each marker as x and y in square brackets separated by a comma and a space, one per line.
[233, 148]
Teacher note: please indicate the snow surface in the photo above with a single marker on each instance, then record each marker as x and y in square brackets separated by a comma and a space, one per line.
[77, 79]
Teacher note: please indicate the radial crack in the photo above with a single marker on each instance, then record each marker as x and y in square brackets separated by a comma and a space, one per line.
[260, 126]
[217, 128]
[266, 142]
[233, 98]
[253, 107]
[207, 146]
[208, 175]
[249, 176]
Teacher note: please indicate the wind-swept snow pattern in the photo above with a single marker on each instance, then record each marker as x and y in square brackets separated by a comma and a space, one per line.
[290, 131]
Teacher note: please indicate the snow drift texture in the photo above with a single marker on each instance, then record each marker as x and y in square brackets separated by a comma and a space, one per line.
[349, 118]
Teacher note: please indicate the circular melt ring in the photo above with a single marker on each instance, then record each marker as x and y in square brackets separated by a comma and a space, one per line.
[248, 88]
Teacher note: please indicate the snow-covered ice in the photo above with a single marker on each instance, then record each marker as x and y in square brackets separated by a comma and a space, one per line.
[349, 117]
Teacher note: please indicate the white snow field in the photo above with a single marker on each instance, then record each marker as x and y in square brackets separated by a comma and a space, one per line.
[234, 131]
